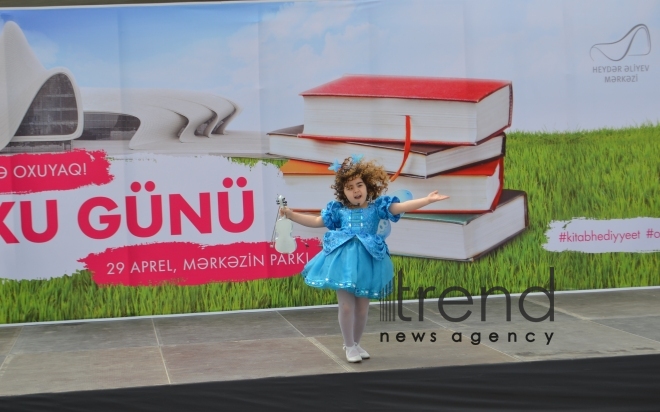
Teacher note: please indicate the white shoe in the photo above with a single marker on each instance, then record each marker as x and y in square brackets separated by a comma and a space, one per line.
[363, 353]
[352, 354]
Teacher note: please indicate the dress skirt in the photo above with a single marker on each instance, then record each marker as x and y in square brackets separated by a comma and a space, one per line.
[352, 268]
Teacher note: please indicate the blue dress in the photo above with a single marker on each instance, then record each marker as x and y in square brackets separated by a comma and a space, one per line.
[354, 257]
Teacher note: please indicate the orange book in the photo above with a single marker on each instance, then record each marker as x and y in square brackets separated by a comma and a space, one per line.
[474, 189]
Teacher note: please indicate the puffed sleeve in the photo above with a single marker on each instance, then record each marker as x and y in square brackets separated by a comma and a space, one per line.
[330, 215]
[383, 207]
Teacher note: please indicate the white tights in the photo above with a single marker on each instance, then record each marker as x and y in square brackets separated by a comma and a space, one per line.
[353, 313]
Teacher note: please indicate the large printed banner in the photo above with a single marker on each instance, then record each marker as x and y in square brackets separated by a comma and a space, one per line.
[141, 219]
[147, 144]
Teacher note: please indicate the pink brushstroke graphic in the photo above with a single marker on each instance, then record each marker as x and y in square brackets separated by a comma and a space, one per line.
[32, 173]
[184, 263]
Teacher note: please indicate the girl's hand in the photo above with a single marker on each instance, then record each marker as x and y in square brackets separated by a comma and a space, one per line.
[414, 204]
[436, 197]
[285, 211]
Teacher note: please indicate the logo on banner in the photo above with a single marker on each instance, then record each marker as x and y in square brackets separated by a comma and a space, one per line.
[392, 307]
[635, 43]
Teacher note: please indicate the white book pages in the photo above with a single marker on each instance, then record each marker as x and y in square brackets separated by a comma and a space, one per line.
[385, 118]
[466, 193]
[417, 164]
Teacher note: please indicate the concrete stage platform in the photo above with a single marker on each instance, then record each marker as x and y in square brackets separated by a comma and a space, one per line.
[167, 350]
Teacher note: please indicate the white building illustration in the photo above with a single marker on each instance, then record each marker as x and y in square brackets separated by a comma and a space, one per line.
[40, 106]
[35, 104]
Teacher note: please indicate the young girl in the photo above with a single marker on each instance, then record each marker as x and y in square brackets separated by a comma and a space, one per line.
[355, 260]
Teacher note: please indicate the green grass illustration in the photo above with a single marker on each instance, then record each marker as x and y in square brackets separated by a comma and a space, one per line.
[602, 174]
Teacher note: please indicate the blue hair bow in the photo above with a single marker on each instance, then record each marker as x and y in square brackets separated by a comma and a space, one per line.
[335, 166]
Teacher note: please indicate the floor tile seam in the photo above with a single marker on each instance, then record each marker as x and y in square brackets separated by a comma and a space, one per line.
[514, 357]
[2, 371]
[83, 350]
[212, 342]
[160, 351]
[432, 321]
[560, 310]
[156, 332]
[9, 351]
[422, 328]
[243, 311]
[624, 331]
[78, 390]
[170, 316]
[236, 339]
[290, 324]
[626, 317]
[329, 354]
[425, 329]
[592, 321]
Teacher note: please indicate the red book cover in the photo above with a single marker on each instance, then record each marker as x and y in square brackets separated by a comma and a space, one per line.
[398, 94]
[403, 87]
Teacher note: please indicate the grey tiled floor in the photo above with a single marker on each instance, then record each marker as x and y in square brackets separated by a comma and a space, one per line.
[183, 349]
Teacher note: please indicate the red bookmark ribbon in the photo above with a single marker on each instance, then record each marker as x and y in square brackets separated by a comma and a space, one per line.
[406, 150]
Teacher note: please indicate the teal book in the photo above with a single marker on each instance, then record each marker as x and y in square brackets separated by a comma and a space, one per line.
[463, 237]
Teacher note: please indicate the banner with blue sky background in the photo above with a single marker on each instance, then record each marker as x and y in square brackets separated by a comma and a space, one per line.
[207, 82]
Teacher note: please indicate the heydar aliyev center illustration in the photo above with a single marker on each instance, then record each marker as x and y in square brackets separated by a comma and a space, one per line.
[44, 109]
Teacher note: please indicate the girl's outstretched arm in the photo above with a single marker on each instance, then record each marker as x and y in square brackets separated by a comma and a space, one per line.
[410, 205]
[302, 219]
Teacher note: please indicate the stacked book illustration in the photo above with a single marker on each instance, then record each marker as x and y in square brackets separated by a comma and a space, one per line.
[430, 134]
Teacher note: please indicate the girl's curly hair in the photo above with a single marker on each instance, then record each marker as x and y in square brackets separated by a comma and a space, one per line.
[372, 174]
